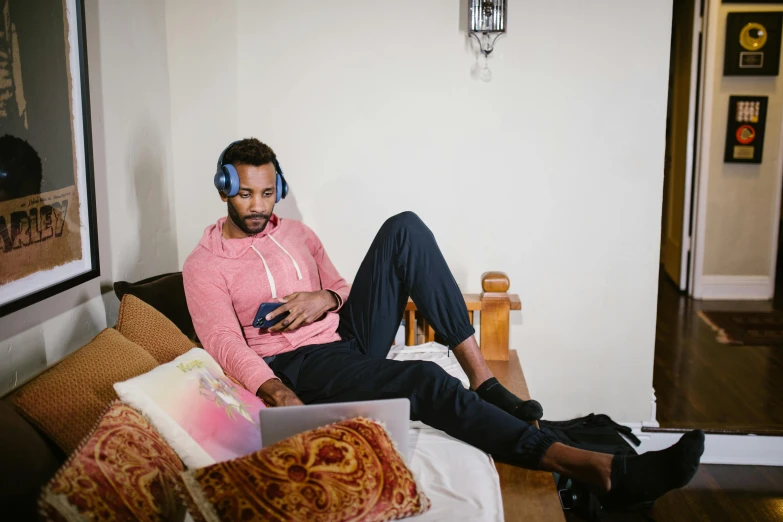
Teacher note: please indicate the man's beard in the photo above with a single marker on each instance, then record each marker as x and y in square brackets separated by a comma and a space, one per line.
[242, 222]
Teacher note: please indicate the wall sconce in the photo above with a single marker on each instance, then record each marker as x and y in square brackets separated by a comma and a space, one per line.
[486, 22]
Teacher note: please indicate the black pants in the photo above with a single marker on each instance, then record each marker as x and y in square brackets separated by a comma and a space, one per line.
[404, 260]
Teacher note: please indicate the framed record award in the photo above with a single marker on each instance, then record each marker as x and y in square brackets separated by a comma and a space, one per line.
[752, 44]
[745, 129]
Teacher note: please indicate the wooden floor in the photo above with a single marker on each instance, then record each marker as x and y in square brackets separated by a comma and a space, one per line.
[721, 494]
[700, 383]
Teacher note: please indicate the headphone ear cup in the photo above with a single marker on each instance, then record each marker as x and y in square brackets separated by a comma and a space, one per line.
[220, 180]
[281, 187]
[231, 178]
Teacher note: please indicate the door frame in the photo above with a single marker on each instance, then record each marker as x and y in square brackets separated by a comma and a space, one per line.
[691, 155]
[702, 147]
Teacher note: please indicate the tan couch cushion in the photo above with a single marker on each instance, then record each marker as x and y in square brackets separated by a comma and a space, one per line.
[165, 293]
[150, 329]
[67, 400]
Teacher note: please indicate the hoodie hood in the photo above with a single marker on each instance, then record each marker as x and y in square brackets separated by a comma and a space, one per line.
[214, 241]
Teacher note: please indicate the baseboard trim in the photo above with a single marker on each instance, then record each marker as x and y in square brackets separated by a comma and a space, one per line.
[717, 287]
[737, 430]
[741, 450]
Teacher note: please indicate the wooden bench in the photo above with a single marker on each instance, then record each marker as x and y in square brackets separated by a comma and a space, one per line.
[527, 495]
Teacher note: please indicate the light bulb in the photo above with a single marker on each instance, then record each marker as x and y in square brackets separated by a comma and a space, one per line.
[486, 74]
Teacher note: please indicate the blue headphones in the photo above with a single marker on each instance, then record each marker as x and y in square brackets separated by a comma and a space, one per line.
[227, 179]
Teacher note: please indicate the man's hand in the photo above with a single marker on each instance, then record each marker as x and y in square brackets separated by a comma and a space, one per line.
[274, 393]
[304, 307]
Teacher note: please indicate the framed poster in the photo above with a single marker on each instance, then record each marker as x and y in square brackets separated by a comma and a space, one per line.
[48, 232]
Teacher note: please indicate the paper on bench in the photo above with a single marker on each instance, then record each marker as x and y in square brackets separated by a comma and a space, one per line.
[434, 352]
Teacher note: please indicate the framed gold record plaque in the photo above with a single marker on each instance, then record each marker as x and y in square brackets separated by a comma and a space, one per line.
[753, 44]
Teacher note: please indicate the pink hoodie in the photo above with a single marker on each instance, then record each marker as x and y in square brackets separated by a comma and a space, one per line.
[227, 279]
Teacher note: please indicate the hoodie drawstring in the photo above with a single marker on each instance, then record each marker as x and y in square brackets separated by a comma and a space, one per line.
[268, 273]
[296, 266]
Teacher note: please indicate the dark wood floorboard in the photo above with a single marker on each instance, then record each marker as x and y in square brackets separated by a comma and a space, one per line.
[721, 494]
[700, 383]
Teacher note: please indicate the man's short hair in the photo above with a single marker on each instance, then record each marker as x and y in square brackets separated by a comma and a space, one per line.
[249, 151]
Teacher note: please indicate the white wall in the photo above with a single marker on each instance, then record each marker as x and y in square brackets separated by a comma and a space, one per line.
[203, 79]
[131, 139]
[738, 218]
[552, 172]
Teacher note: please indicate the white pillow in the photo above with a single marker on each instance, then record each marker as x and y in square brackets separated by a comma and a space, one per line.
[202, 414]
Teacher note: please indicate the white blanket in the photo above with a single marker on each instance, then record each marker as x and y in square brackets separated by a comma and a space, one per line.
[460, 480]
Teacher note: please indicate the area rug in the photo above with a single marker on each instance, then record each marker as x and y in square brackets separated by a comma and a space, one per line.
[747, 328]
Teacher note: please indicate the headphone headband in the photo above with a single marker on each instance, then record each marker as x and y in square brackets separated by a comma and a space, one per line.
[227, 179]
[222, 154]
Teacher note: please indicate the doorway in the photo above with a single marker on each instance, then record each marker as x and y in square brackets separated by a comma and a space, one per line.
[701, 381]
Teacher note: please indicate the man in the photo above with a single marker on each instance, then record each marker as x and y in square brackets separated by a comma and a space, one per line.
[332, 345]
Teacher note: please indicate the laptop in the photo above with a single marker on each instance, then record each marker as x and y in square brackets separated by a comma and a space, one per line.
[280, 423]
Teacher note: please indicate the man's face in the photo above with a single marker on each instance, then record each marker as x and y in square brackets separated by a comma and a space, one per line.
[251, 208]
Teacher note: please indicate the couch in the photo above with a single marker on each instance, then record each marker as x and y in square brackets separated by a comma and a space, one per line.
[46, 419]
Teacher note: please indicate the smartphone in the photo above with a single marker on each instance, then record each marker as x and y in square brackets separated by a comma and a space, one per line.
[265, 308]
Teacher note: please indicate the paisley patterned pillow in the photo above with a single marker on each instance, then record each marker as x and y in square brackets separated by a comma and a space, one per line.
[345, 471]
[124, 470]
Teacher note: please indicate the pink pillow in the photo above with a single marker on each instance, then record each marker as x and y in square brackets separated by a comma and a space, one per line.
[200, 412]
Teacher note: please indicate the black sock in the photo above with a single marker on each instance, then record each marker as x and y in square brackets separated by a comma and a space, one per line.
[645, 477]
[495, 393]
